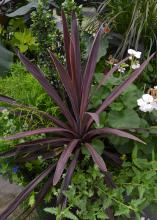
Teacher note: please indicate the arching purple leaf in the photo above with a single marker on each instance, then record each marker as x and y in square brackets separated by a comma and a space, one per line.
[89, 71]
[117, 132]
[36, 72]
[67, 180]
[67, 83]
[25, 193]
[13, 102]
[61, 131]
[96, 158]
[63, 160]
[66, 43]
[119, 89]
[109, 73]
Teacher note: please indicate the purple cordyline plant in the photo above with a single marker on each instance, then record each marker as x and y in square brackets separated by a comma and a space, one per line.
[77, 130]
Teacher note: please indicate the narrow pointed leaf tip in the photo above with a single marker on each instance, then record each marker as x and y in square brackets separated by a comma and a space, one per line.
[95, 117]
[37, 131]
[51, 91]
[98, 160]
[63, 160]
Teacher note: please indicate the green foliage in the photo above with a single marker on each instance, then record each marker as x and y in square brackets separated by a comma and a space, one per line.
[30, 93]
[17, 35]
[6, 59]
[61, 213]
[47, 31]
[88, 196]
[69, 6]
[24, 40]
[139, 25]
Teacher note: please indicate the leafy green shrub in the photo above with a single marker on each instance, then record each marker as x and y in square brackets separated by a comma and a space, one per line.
[76, 131]
[88, 196]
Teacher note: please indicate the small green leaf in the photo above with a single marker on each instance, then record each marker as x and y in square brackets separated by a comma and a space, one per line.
[98, 145]
[129, 189]
[52, 211]
[69, 215]
[122, 210]
[32, 199]
[141, 191]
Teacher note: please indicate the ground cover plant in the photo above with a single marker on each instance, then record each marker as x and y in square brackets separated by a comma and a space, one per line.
[76, 130]
[89, 196]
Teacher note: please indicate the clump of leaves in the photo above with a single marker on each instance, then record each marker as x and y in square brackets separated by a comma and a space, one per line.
[88, 196]
[76, 131]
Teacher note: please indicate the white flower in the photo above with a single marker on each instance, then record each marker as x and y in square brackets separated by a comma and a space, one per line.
[120, 68]
[131, 52]
[135, 66]
[134, 53]
[146, 103]
[154, 104]
[138, 54]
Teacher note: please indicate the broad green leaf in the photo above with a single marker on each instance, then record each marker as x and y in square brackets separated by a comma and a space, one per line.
[130, 96]
[124, 119]
[6, 59]
[98, 145]
[88, 39]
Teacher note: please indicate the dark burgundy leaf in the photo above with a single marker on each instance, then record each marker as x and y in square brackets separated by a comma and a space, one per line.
[109, 73]
[54, 142]
[24, 194]
[96, 158]
[8, 100]
[33, 146]
[67, 180]
[89, 71]
[114, 157]
[34, 156]
[94, 116]
[61, 131]
[66, 43]
[119, 89]
[67, 83]
[117, 132]
[40, 196]
[47, 86]
[77, 56]
[63, 160]
[13, 102]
